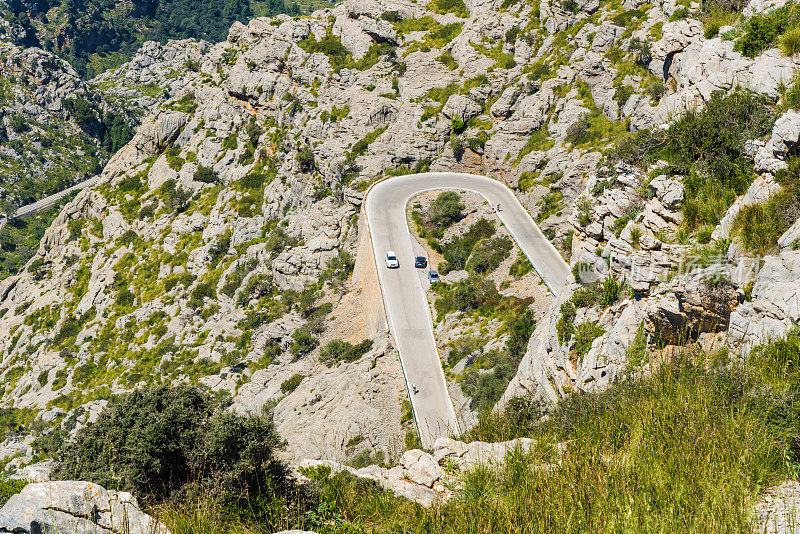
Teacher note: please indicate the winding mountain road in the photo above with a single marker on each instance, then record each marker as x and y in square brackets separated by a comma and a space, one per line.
[404, 289]
[48, 202]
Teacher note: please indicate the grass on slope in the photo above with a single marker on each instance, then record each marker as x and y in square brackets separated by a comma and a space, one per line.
[688, 449]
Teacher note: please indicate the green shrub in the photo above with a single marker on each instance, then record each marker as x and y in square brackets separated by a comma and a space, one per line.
[565, 326]
[82, 112]
[169, 441]
[259, 286]
[790, 42]
[447, 59]
[174, 197]
[584, 335]
[174, 160]
[291, 383]
[791, 94]
[338, 269]
[457, 252]
[360, 147]
[303, 342]
[485, 389]
[551, 204]
[707, 147]
[764, 30]
[374, 54]
[8, 488]
[337, 351]
[489, 254]
[237, 276]
[202, 291]
[446, 210]
[442, 7]
[368, 457]
[520, 331]
[521, 266]
[186, 104]
[305, 159]
[469, 294]
[331, 46]
[206, 175]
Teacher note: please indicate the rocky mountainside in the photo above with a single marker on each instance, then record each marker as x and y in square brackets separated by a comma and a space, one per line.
[97, 35]
[218, 245]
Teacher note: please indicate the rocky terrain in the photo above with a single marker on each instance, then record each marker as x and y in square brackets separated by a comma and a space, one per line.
[218, 245]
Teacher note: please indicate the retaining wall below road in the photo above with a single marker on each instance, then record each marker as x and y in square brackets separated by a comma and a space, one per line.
[365, 273]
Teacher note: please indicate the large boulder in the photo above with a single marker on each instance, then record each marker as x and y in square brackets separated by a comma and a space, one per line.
[77, 508]
[775, 305]
[786, 133]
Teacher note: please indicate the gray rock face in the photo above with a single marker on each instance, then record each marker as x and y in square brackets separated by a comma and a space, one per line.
[167, 68]
[39, 472]
[461, 108]
[754, 7]
[690, 305]
[786, 133]
[778, 511]
[775, 304]
[79, 507]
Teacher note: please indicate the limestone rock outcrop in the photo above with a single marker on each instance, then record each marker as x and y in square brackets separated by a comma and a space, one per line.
[79, 507]
[429, 479]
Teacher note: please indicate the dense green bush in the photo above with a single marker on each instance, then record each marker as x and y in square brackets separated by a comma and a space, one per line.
[442, 7]
[8, 488]
[207, 175]
[707, 147]
[82, 112]
[303, 342]
[112, 130]
[521, 266]
[19, 240]
[764, 30]
[585, 334]
[457, 251]
[338, 269]
[291, 383]
[201, 292]
[489, 254]
[520, 331]
[551, 204]
[485, 389]
[305, 159]
[443, 212]
[169, 441]
[331, 46]
[174, 197]
[466, 295]
[603, 294]
[337, 351]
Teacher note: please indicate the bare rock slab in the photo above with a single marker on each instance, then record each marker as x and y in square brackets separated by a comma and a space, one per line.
[77, 508]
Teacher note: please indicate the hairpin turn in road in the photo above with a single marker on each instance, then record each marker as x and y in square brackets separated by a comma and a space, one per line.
[403, 288]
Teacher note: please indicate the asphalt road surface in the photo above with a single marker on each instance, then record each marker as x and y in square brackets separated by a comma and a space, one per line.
[404, 288]
[48, 202]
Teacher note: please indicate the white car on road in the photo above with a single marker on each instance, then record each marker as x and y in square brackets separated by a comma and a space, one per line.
[391, 260]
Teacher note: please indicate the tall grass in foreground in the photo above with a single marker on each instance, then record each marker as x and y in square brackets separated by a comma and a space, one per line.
[688, 449]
